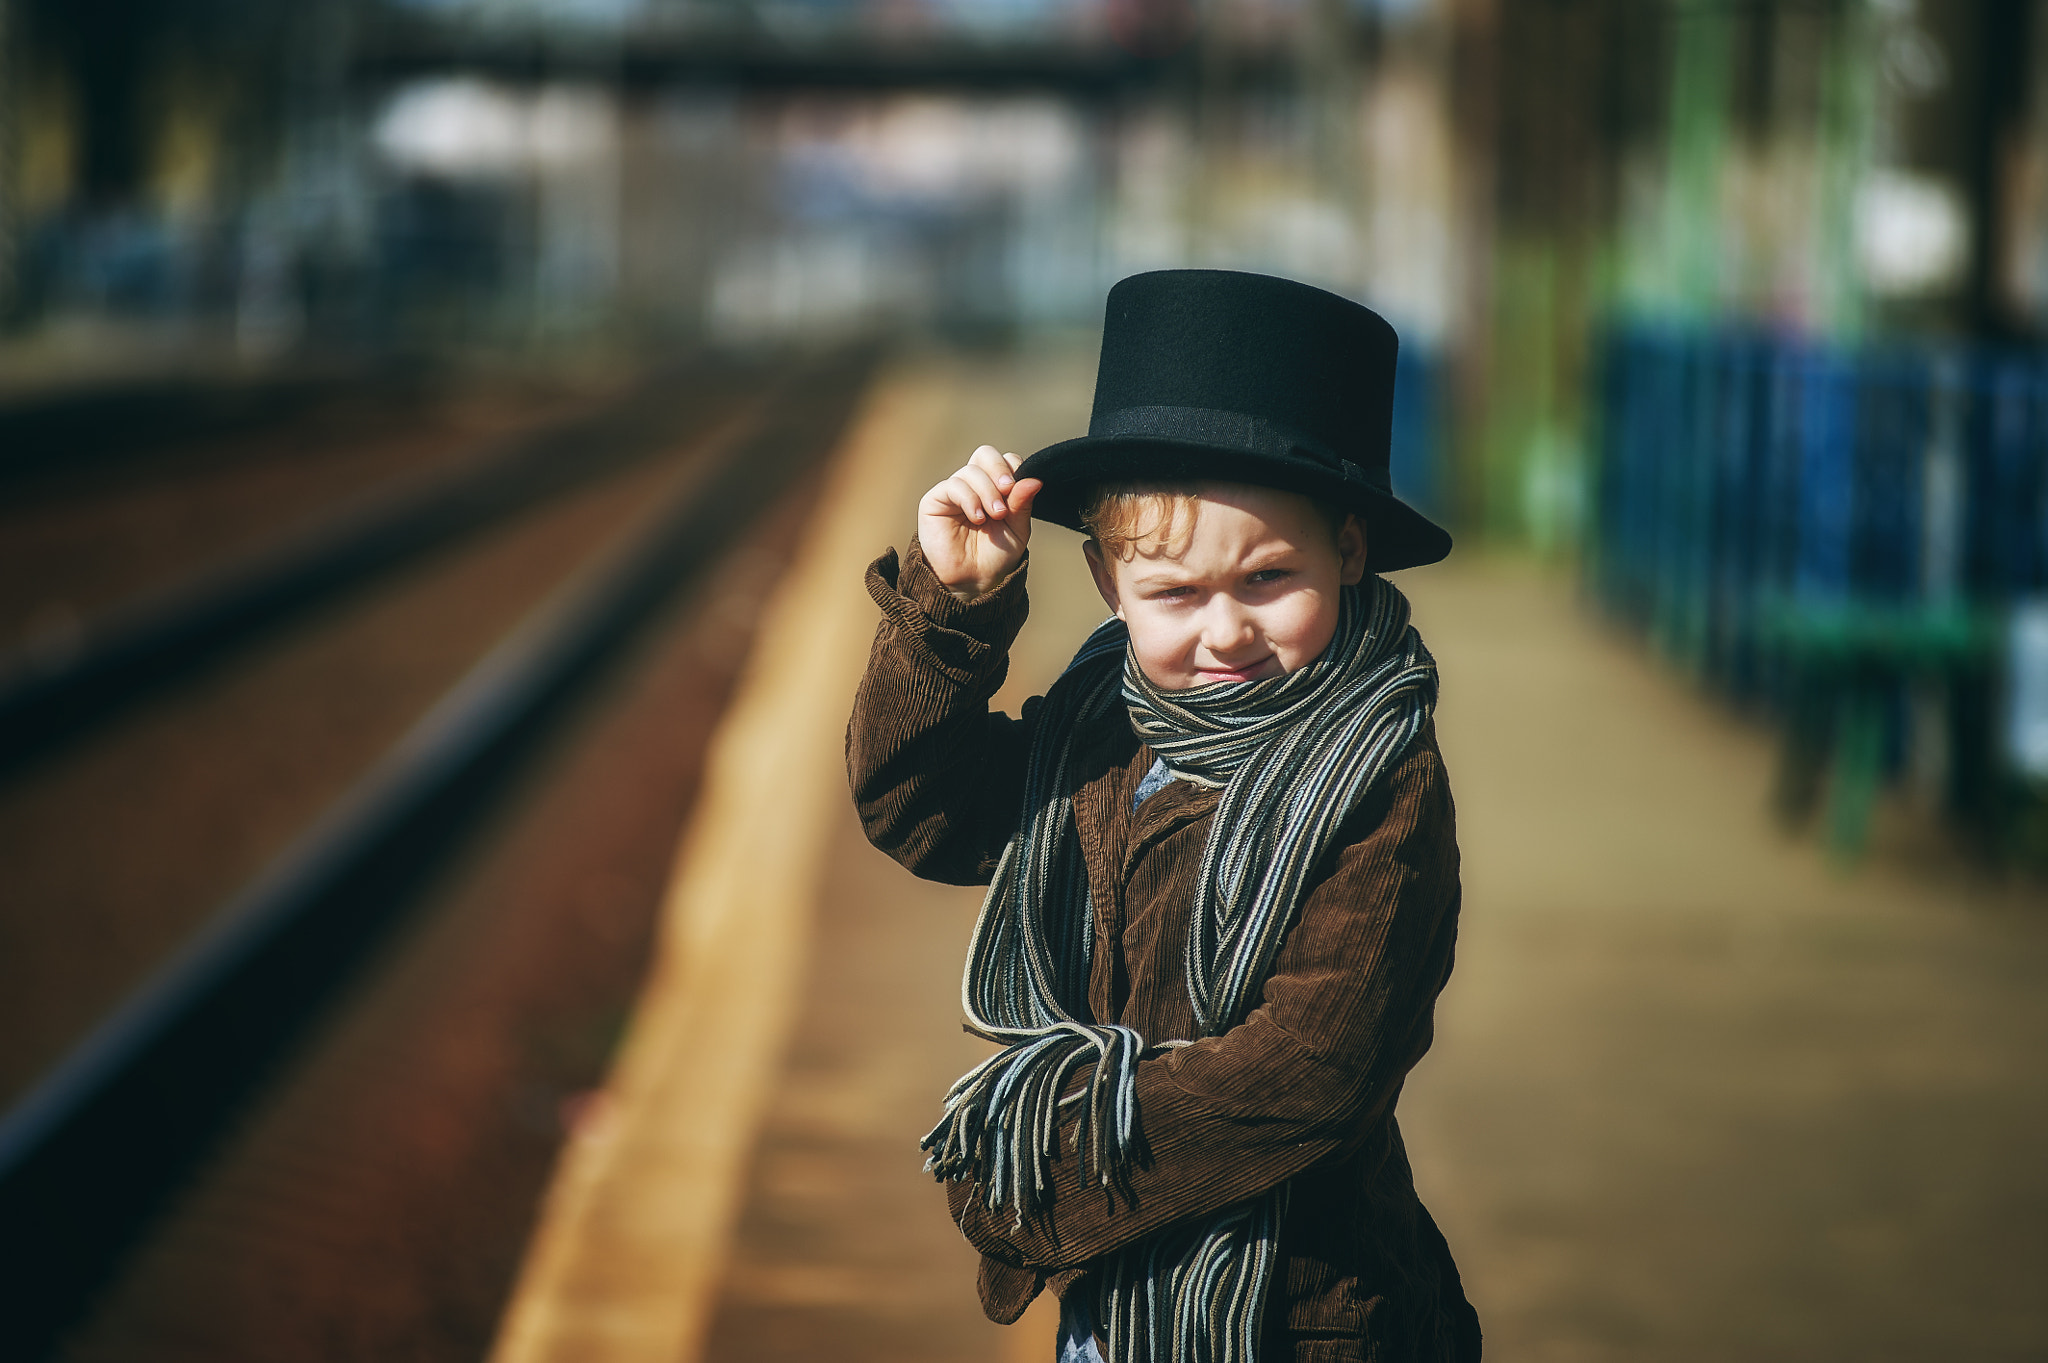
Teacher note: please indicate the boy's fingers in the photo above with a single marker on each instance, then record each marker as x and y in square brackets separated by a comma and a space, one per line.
[975, 494]
[991, 462]
[1023, 495]
[965, 496]
[944, 501]
[985, 489]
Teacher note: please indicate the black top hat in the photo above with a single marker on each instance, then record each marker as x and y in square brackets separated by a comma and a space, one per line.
[1243, 378]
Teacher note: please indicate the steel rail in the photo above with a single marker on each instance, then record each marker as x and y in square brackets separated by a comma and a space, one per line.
[102, 425]
[138, 650]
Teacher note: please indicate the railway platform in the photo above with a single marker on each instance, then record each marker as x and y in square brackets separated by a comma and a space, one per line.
[1696, 1093]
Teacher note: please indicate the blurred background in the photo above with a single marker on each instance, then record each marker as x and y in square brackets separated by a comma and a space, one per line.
[408, 408]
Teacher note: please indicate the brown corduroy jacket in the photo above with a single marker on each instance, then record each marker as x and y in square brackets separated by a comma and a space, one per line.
[1301, 1092]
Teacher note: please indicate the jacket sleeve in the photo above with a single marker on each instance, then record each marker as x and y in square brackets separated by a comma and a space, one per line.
[937, 777]
[1312, 1070]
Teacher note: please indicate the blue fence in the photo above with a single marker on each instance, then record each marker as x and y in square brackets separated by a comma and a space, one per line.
[1791, 519]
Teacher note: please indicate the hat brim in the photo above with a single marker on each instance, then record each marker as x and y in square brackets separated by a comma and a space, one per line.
[1396, 535]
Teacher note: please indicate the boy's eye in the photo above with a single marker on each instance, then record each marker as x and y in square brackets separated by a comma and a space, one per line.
[1172, 593]
[1269, 575]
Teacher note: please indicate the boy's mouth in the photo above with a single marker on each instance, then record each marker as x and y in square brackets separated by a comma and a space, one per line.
[1245, 672]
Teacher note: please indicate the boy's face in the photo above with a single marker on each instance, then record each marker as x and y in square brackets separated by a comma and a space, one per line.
[1249, 591]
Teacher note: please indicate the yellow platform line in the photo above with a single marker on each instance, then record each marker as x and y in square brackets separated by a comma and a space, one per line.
[626, 1263]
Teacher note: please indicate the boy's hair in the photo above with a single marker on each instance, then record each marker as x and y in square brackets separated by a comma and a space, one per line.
[1117, 516]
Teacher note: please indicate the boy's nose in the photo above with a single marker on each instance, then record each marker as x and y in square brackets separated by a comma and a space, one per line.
[1227, 628]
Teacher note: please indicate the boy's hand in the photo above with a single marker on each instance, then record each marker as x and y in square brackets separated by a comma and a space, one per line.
[974, 526]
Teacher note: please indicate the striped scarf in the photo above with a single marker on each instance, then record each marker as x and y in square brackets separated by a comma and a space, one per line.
[1293, 755]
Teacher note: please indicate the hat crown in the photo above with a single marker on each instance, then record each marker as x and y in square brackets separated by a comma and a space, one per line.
[1293, 358]
[1216, 376]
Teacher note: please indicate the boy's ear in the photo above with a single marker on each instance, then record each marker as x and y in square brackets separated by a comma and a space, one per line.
[1351, 551]
[1105, 578]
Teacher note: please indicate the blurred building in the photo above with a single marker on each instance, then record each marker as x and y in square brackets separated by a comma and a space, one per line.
[233, 182]
[502, 172]
[1502, 177]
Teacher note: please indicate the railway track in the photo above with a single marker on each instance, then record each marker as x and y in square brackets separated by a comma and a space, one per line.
[45, 435]
[150, 1104]
[81, 534]
[49, 698]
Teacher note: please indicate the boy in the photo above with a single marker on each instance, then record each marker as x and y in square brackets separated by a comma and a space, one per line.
[1222, 864]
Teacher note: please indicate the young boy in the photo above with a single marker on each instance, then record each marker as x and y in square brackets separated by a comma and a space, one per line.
[1222, 864]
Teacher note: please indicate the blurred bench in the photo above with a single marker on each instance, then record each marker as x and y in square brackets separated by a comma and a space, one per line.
[1849, 664]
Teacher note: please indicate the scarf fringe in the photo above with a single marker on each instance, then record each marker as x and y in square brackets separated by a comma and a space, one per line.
[1002, 1119]
[1195, 1297]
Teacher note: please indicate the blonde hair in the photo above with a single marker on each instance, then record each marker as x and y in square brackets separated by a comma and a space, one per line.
[1121, 516]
